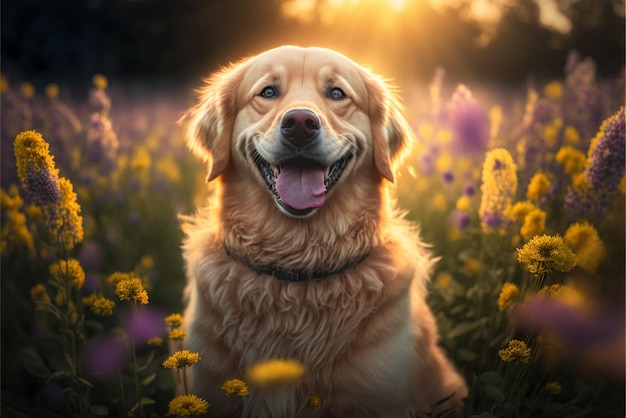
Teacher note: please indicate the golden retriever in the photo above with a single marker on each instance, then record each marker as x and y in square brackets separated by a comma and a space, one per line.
[300, 253]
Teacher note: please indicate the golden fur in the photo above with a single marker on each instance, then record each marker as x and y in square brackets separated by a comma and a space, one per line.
[365, 335]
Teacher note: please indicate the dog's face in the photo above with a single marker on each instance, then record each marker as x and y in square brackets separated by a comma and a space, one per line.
[300, 122]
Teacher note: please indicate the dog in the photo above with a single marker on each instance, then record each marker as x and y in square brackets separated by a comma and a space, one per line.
[300, 253]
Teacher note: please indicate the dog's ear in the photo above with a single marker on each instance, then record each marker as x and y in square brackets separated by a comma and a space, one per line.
[391, 133]
[209, 125]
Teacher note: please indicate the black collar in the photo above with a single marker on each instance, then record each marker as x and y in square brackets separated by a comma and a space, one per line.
[297, 275]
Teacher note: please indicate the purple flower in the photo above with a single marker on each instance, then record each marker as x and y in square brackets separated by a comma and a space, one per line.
[99, 100]
[606, 163]
[469, 122]
[105, 356]
[43, 187]
[460, 219]
[102, 143]
[492, 220]
[91, 255]
[448, 176]
[144, 323]
[469, 190]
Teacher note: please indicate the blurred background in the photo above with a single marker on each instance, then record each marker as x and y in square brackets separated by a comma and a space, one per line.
[177, 42]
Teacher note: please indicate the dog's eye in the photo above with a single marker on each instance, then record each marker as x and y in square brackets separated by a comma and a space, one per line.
[268, 92]
[336, 94]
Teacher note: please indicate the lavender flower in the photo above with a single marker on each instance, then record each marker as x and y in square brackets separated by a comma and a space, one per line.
[594, 190]
[469, 122]
[102, 143]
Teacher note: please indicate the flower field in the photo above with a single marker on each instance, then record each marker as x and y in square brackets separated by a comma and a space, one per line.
[521, 195]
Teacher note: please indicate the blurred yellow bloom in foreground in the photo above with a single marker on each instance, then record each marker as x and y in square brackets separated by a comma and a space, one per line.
[180, 359]
[275, 373]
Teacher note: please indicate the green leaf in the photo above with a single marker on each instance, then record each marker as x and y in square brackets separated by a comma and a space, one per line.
[465, 327]
[99, 410]
[58, 375]
[466, 355]
[33, 363]
[148, 380]
[147, 362]
[85, 382]
[147, 401]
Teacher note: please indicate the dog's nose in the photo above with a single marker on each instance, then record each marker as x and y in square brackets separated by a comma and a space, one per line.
[300, 126]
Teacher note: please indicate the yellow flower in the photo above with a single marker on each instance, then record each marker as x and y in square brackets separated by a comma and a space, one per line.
[68, 229]
[499, 185]
[315, 399]
[571, 135]
[27, 90]
[180, 359]
[237, 386]
[52, 91]
[174, 320]
[573, 160]
[155, 342]
[564, 293]
[444, 162]
[539, 185]
[141, 159]
[275, 372]
[472, 266]
[425, 130]
[454, 234]
[443, 280]
[583, 238]
[553, 387]
[551, 134]
[69, 271]
[439, 202]
[516, 352]
[39, 295]
[553, 90]
[444, 136]
[4, 83]
[509, 295]
[495, 118]
[534, 224]
[132, 289]
[542, 255]
[177, 334]
[102, 306]
[521, 209]
[117, 277]
[464, 203]
[100, 81]
[32, 154]
[187, 405]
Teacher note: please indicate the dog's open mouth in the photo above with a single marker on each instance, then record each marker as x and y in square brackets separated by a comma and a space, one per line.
[300, 185]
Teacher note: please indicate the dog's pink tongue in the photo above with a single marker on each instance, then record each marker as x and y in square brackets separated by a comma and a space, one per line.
[301, 187]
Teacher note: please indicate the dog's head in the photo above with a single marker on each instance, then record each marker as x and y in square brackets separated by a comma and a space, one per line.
[301, 120]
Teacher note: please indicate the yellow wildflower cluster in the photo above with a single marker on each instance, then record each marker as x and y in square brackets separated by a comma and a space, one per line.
[54, 195]
[39, 295]
[499, 185]
[553, 90]
[132, 290]
[14, 229]
[155, 342]
[175, 322]
[584, 239]
[509, 295]
[516, 352]
[542, 255]
[102, 306]
[188, 405]
[539, 185]
[573, 160]
[180, 359]
[69, 272]
[275, 372]
[235, 386]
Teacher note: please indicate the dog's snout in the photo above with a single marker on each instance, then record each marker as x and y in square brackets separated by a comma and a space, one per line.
[300, 126]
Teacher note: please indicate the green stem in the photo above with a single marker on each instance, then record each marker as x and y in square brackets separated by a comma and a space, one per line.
[135, 369]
